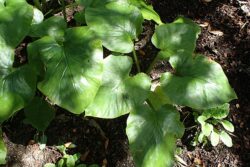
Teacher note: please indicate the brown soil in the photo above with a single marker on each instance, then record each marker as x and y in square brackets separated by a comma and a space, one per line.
[225, 38]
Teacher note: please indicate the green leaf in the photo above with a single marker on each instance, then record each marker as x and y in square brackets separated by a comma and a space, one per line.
[3, 150]
[119, 93]
[215, 138]
[174, 37]
[117, 24]
[226, 139]
[152, 135]
[39, 114]
[17, 85]
[54, 26]
[198, 82]
[73, 69]
[147, 11]
[206, 128]
[49, 165]
[70, 162]
[219, 112]
[10, 34]
[227, 125]
[60, 163]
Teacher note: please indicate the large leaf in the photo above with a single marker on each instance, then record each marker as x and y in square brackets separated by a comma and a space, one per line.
[39, 114]
[198, 82]
[147, 11]
[3, 149]
[119, 93]
[17, 85]
[117, 24]
[73, 69]
[10, 16]
[152, 135]
[180, 35]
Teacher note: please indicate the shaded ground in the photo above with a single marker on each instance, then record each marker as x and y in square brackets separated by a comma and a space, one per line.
[225, 38]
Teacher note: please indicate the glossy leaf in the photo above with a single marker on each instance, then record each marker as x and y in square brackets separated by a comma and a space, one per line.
[117, 24]
[119, 93]
[226, 139]
[10, 35]
[147, 11]
[39, 114]
[227, 125]
[73, 68]
[152, 135]
[3, 150]
[198, 82]
[215, 138]
[179, 36]
[54, 26]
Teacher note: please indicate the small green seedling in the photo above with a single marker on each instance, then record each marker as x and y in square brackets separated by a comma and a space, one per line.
[214, 126]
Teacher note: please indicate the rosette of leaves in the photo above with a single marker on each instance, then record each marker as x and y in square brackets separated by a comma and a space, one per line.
[17, 85]
[209, 121]
[119, 93]
[72, 67]
[152, 135]
[196, 81]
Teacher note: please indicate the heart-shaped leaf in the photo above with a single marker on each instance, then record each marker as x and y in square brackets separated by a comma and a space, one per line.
[198, 82]
[3, 150]
[73, 69]
[117, 24]
[39, 114]
[180, 35]
[147, 11]
[10, 34]
[119, 93]
[152, 135]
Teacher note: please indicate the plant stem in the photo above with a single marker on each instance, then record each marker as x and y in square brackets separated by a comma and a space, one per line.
[136, 61]
[64, 10]
[37, 4]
